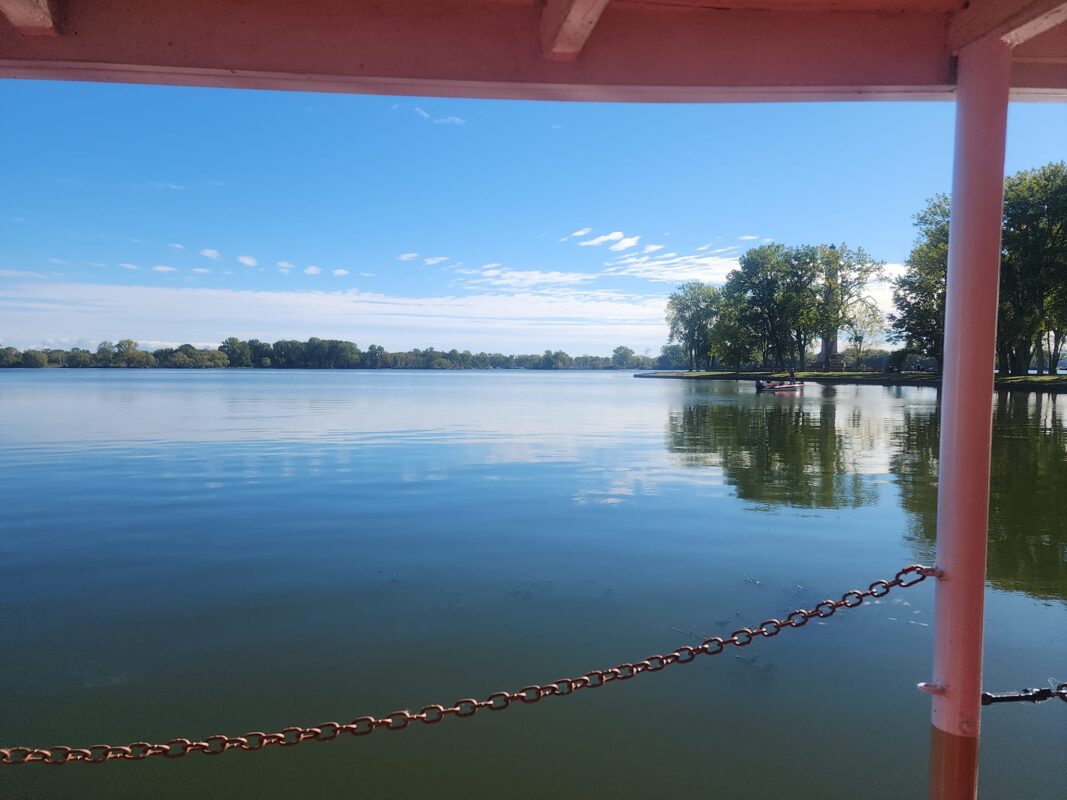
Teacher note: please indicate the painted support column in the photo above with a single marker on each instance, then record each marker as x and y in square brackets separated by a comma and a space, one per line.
[966, 414]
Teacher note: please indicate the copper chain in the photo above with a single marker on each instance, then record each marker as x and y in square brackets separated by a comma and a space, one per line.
[432, 714]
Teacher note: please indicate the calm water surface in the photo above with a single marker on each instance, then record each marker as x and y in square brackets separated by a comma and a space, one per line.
[186, 553]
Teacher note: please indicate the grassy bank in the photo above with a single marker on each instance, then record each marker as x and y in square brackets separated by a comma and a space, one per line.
[1024, 383]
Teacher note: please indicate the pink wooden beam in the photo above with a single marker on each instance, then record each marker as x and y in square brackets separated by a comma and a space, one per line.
[32, 17]
[565, 26]
[966, 414]
[1013, 21]
[471, 48]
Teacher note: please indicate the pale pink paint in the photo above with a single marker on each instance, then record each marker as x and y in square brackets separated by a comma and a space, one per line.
[967, 383]
[662, 51]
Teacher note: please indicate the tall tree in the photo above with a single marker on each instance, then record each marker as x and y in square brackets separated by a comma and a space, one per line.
[919, 294]
[1033, 270]
[845, 276]
[691, 310]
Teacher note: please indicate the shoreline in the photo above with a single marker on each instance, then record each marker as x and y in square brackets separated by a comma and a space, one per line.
[1033, 383]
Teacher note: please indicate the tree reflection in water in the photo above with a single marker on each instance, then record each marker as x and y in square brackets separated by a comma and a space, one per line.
[778, 449]
[791, 451]
[1028, 489]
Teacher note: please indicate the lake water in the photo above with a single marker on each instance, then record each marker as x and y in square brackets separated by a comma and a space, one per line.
[187, 553]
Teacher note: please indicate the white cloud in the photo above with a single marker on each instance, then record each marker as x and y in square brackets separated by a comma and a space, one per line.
[248, 261]
[614, 236]
[450, 121]
[579, 232]
[625, 244]
[673, 268]
[162, 268]
[566, 317]
[202, 270]
[17, 273]
[312, 270]
[129, 266]
[284, 267]
[174, 246]
[207, 252]
[748, 237]
[407, 256]
[494, 275]
[881, 292]
[421, 113]
[435, 260]
[366, 274]
[652, 248]
[339, 273]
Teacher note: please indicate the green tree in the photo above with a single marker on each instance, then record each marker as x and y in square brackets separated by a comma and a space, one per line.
[238, 353]
[34, 358]
[10, 357]
[845, 274]
[1033, 270]
[732, 338]
[919, 294]
[105, 351]
[691, 310]
[864, 327]
[622, 357]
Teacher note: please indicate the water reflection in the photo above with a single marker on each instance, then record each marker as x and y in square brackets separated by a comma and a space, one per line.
[1027, 505]
[834, 447]
[804, 452]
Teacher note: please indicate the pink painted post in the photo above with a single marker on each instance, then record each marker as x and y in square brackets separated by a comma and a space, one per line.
[966, 413]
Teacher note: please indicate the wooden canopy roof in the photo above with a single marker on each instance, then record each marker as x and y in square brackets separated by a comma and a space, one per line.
[626, 50]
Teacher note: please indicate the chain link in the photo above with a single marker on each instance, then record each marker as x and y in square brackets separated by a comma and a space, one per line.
[468, 707]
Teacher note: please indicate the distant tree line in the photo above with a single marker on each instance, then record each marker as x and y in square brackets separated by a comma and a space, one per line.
[314, 353]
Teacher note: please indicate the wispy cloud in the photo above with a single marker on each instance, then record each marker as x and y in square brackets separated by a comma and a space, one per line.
[435, 260]
[168, 186]
[129, 266]
[674, 268]
[284, 267]
[447, 120]
[339, 273]
[748, 237]
[18, 273]
[164, 268]
[625, 244]
[312, 270]
[614, 236]
[366, 274]
[208, 252]
[57, 261]
[248, 261]
[202, 271]
[568, 317]
[652, 248]
[494, 275]
[580, 232]
[176, 246]
[407, 256]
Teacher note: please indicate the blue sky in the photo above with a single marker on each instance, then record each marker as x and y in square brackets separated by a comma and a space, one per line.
[174, 215]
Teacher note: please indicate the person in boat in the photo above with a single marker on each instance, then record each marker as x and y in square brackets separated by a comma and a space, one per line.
[759, 384]
[792, 375]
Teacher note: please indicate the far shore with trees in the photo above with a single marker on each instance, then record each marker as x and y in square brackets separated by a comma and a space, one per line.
[782, 303]
[783, 308]
[314, 353]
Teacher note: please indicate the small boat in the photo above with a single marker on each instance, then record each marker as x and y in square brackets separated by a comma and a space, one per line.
[778, 387]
